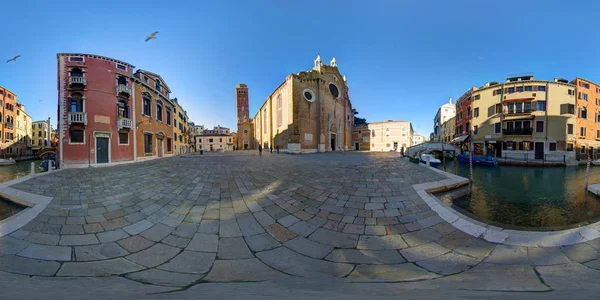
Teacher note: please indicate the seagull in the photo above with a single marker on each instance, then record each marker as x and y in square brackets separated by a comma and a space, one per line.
[152, 36]
[13, 59]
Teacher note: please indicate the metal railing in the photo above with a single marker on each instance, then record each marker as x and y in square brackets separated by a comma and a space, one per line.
[77, 79]
[518, 111]
[530, 157]
[125, 123]
[121, 88]
[77, 117]
[517, 131]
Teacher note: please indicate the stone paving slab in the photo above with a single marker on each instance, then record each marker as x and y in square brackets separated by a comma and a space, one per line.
[154, 256]
[28, 266]
[289, 262]
[190, 262]
[164, 278]
[391, 272]
[45, 252]
[114, 266]
[243, 270]
[355, 256]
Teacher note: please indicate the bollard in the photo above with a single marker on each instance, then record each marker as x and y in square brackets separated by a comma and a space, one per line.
[587, 172]
[49, 166]
[32, 168]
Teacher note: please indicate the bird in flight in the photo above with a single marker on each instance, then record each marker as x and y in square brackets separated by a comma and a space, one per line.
[152, 36]
[13, 59]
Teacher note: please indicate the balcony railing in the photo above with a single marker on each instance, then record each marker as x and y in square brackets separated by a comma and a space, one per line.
[125, 123]
[10, 125]
[519, 111]
[77, 117]
[517, 131]
[121, 88]
[77, 79]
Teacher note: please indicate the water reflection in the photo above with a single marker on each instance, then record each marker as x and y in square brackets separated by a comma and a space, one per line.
[20, 169]
[546, 198]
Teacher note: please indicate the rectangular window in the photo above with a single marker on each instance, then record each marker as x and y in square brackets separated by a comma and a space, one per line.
[528, 88]
[210, 140]
[476, 112]
[145, 79]
[569, 128]
[168, 116]
[582, 131]
[519, 107]
[583, 113]
[169, 143]
[460, 115]
[76, 136]
[147, 143]
[527, 107]
[541, 88]
[541, 106]
[123, 138]
[598, 134]
[159, 112]
[476, 97]
[539, 126]
[582, 149]
[552, 146]
[511, 90]
[519, 89]
[497, 127]
[76, 59]
[220, 140]
[497, 92]
[585, 85]
[147, 108]
[511, 108]
[571, 92]
[498, 108]
[569, 147]
[122, 67]
[583, 96]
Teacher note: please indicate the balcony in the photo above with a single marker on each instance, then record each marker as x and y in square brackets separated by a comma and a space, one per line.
[77, 79]
[125, 123]
[77, 117]
[517, 131]
[9, 125]
[123, 89]
[519, 111]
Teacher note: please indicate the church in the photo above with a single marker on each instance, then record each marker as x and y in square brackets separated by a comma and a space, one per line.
[308, 112]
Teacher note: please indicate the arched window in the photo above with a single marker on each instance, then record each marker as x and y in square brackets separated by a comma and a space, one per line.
[76, 72]
[279, 111]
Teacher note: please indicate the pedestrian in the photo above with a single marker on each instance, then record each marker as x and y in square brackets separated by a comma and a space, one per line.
[277, 147]
[260, 150]
[271, 149]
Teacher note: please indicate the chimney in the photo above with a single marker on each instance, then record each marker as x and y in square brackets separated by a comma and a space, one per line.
[450, 100]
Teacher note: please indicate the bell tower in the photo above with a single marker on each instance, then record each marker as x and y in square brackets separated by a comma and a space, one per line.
[241, 94]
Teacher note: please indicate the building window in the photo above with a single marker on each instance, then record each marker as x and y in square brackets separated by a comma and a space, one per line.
[497, 92]
[475, 129]
[498, 108]
[169, 144]
[582, 149]
[75, 136]
[168, 116]
[279, 111]
[569, 147]
[569, 128]
[583, 96]
[387, 131]
[541, 88]
[571, 92]
[468, 127]
[541, 106]
[585, 85]
[146, 79]
[511, 90]
[157, 85]
[175, 136]
[468, 111]
[519, 89]
[583, 113]
[528, 88]
[497, 127]
[159, 108]
[147, 143]
[476, 97]
[582, 131]
[122, 67]
[76, 59]
[460, 115]
[552, 146]
[476, 112]
[123, 138]
[539, 126]
[147, 108]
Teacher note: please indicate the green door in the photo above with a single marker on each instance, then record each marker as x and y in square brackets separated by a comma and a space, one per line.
[101, 150]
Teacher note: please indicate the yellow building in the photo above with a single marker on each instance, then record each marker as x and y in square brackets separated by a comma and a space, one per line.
[39, 135]
[180, 133]
[524, 118]
[22, 145]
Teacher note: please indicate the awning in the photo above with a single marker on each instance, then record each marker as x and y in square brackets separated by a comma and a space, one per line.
[524, 117]
[460, 139]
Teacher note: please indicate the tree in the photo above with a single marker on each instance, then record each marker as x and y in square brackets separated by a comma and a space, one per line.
[357, 120]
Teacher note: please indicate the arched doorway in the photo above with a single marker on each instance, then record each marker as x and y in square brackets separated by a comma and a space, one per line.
[333, 137]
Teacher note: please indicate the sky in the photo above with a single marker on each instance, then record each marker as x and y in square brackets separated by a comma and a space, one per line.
[403, 59]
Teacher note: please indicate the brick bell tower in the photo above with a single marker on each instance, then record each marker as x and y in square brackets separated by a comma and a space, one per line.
[245, 131]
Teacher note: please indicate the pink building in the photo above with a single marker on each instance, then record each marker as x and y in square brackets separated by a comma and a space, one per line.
[95, 123]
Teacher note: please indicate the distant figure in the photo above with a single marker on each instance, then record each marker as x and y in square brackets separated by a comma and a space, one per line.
[271, 149]
[260, 150]
[402, 151]
[277, 147]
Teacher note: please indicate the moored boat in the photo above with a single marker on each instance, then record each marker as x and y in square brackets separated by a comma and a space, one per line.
[596, 162]
[478, 160]
[7, 162]
[434, 162]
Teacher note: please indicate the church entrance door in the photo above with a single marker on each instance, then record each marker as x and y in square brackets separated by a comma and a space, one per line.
[333, 146]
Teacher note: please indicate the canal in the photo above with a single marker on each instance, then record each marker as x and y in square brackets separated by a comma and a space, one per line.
[20, 169]
[532, 198]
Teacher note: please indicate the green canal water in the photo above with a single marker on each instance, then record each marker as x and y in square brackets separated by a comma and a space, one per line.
[532, 198]
[20, 169]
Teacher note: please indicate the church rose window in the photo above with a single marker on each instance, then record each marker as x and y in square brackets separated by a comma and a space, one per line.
[334, 90]
[308, 95]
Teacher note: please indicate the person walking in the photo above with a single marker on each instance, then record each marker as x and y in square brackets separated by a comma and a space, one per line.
[277, 147]
[271, 149]
[260, 150]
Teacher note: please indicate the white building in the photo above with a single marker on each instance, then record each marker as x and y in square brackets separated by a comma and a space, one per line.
[444, 113]
[217, 139]
[418, 139]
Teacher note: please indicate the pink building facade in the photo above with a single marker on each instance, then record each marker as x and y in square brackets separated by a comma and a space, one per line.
[95, 116]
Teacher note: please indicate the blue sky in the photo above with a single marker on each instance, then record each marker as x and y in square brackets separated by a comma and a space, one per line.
[402, 58]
